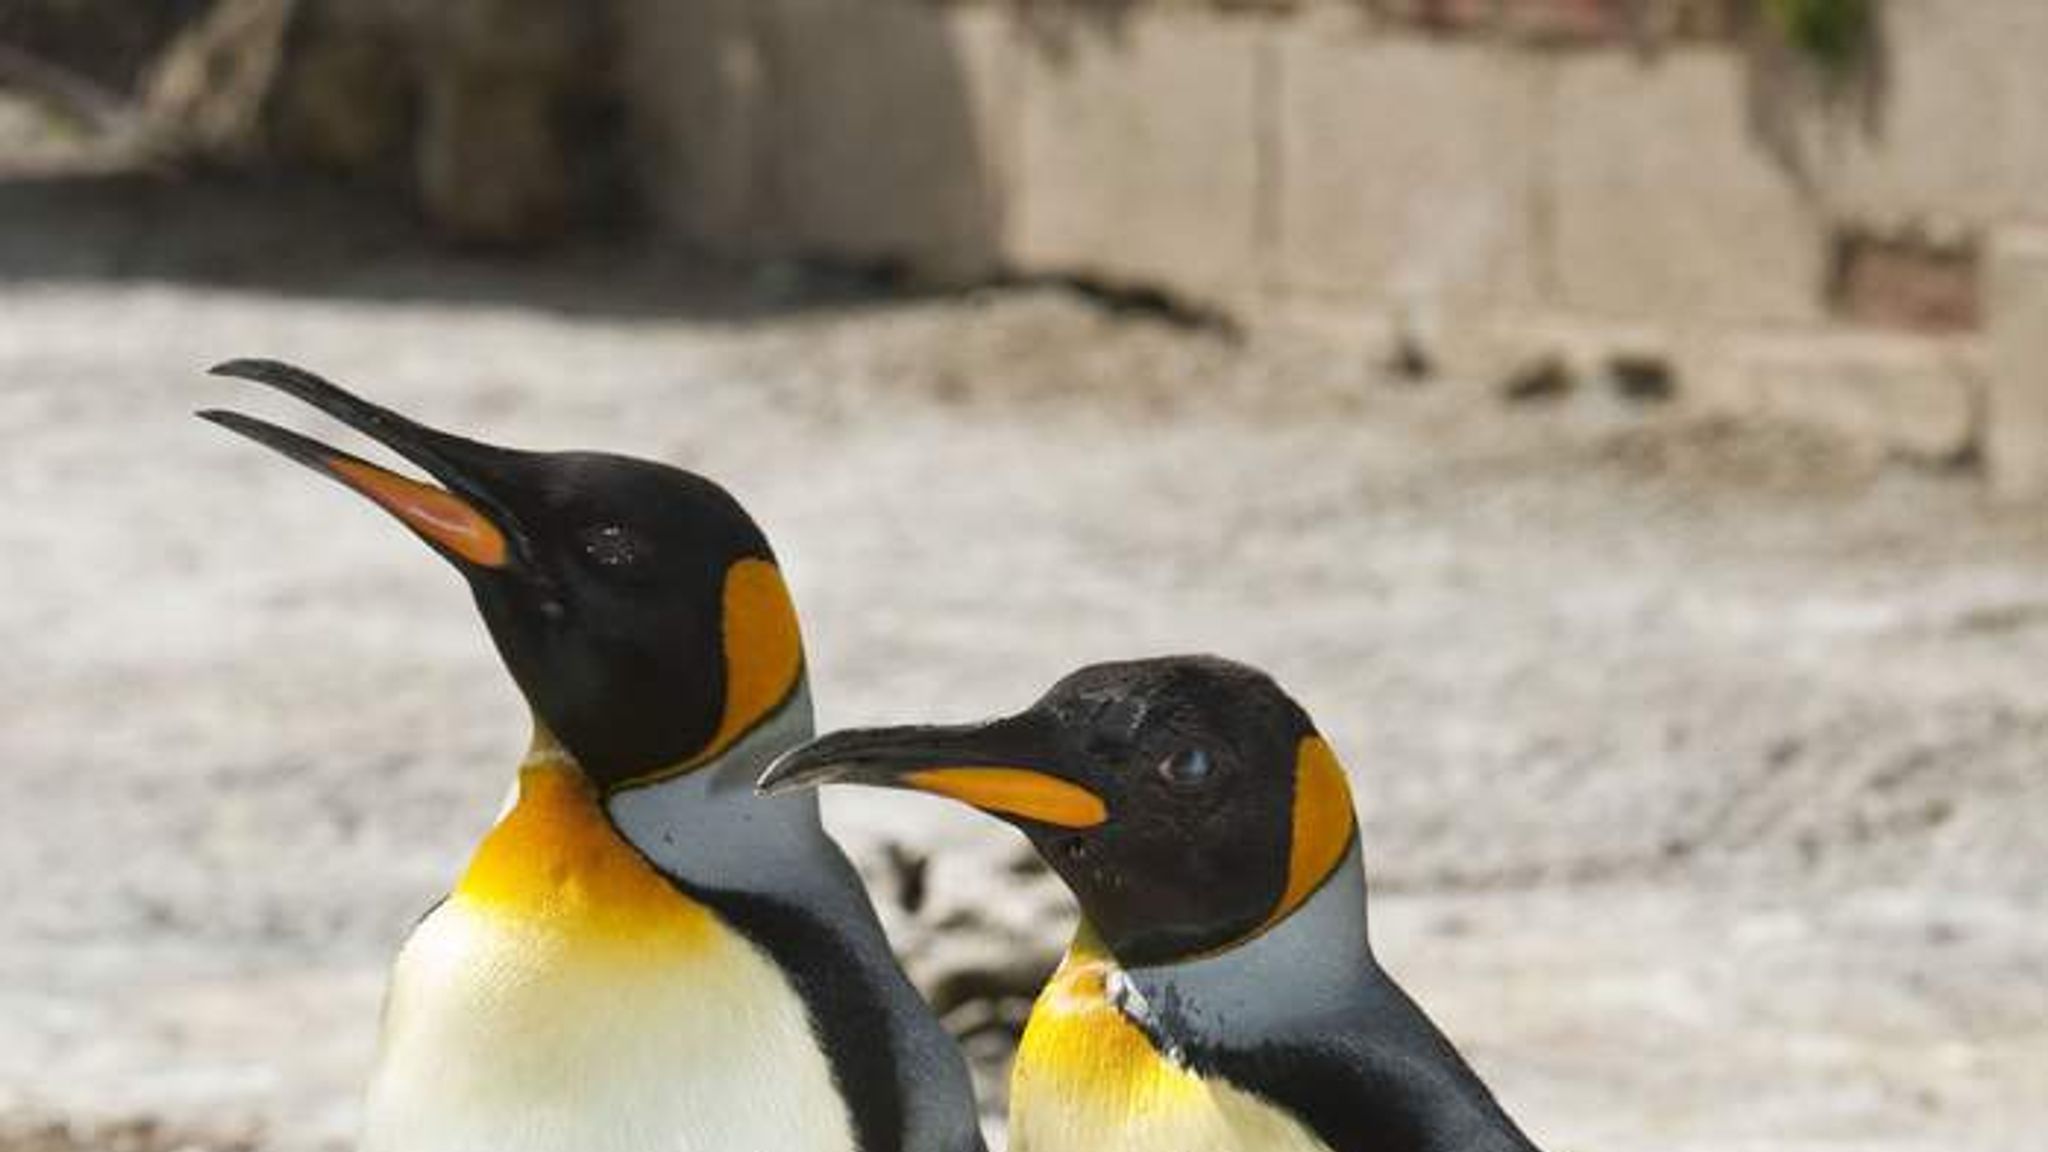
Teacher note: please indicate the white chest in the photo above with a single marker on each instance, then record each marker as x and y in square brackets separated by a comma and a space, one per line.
[1189, 1115]
[503, 1037]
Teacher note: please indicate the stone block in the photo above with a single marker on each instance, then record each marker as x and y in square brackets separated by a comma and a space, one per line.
[1662, 204]
[1907, 281]
[1466, 17]
[500, 82]
[1493, 348]
[695, 80]
[492, 164]
[864, 130]
[1141, 151]
[891, 119]
[1951, 125]
[1569, 21]
[1915, 396]
[2016, 435]
[1544, 21]
[1407, 174]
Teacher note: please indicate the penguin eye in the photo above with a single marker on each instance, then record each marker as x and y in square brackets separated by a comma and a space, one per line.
[1187, 769]
[611, 547]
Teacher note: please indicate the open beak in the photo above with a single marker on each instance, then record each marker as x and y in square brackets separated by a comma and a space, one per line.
[463, 522]
[1005, 768]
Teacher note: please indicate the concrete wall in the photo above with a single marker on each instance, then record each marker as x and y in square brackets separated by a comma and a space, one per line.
[1483, 176]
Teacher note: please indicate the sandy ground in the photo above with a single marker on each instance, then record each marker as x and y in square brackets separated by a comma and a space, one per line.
[1700, 765]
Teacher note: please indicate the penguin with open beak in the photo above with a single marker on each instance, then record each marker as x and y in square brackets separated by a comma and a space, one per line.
[642, 955]
[1221, 994]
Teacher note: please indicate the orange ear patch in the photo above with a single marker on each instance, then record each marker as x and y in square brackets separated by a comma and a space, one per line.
[764, 650]
[1323, 824]
[764, 655]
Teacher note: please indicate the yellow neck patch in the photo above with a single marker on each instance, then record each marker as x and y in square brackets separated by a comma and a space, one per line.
[1079, 1046]
[1323, 825]
[1087, 1079]
[764, 655]
[556, 863]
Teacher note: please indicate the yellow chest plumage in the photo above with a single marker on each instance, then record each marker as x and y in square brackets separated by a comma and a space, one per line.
[1087, 1080]
[568, 998]
[556, 866]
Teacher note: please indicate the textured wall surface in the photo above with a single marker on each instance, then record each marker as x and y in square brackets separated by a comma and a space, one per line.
[1479, 176]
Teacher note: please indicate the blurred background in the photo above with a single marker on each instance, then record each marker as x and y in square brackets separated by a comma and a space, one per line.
[1622, 423]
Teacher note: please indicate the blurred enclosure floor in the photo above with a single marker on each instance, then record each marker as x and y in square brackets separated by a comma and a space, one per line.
[1700, 762]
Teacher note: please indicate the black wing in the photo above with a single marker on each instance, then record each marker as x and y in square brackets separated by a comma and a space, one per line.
[851, 1021]
[848, 1013]
[1363, 1097]
[1383, 1079]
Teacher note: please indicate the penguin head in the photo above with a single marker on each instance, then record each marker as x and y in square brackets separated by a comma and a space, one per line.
[1187, 801]
[637, 605]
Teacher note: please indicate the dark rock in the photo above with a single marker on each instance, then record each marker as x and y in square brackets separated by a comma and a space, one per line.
[1549, 378]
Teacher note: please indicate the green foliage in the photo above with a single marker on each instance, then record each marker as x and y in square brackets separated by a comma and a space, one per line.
[1832, 33]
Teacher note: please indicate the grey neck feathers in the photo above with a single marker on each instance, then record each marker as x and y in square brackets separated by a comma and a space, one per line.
[1296, 978]
[709, 827]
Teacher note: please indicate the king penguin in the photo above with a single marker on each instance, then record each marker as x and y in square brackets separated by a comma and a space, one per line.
[642, 954]
[1220, 994]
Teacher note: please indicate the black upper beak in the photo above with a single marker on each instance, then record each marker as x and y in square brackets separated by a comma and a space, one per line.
[1008, 768]
[469, 523]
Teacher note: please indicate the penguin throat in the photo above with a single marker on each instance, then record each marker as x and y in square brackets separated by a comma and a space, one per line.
[555, 861]
[709, 828]
[1297, 971]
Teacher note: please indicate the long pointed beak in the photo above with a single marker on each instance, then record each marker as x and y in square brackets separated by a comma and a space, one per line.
[466, 523]
[1004, 768]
